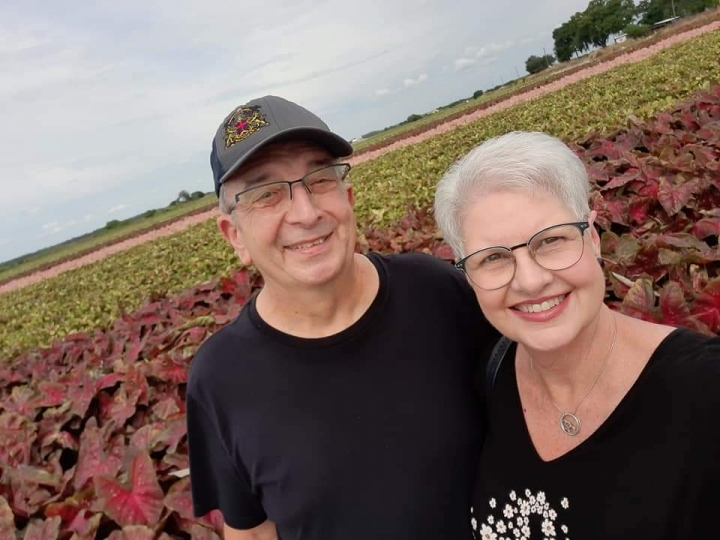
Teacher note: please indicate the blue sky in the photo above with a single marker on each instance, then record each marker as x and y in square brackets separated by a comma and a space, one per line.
[108, 108]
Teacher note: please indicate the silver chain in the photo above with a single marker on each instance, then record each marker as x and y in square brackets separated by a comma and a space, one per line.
[569, 422]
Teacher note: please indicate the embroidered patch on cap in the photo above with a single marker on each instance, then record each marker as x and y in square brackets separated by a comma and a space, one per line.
[243, 122]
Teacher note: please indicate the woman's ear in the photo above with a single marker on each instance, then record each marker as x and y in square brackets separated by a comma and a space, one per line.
[594, 235]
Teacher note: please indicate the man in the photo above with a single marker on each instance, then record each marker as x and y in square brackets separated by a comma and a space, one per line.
[339, 404]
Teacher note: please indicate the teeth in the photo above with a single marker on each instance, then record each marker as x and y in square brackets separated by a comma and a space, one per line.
[309, 245]
[544, 306]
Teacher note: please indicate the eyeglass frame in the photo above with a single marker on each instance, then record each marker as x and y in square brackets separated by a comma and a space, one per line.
[582, 226]
[291, 183]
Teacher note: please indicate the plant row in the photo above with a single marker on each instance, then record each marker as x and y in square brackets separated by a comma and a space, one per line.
[92, 429]
[93, 296]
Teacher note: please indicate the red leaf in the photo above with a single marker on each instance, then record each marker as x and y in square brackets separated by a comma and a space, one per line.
[444, 252]
[139, 504]
[707, 227]
[673, 306]
[133, 532]
[673, 197]
[639, 301]
[48, 529]
[53, 394]
[93, 458]
[7, 520]
[85, 528]
[16, 438]
[198, 532]
[707, 306]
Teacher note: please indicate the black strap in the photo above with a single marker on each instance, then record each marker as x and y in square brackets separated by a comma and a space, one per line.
[496, 357]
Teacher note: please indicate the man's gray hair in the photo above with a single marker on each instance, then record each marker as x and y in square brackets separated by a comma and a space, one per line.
[517, 161]
[223, 203]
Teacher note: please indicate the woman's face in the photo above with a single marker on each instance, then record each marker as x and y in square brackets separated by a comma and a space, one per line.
[542, 309]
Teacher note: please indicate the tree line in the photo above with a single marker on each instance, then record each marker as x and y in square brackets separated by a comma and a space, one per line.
[603, 18]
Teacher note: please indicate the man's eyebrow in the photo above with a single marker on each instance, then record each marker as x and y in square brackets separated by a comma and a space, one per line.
[265, 178]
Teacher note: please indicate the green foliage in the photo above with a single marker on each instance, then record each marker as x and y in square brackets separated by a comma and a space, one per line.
[535, 64]
[413, 118]
[592, 27]
[634, 31]
[652, 11]
[195, 195]
[477, 94]
[113, 223]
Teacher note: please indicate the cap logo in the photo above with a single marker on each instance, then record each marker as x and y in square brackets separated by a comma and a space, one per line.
[243, 122]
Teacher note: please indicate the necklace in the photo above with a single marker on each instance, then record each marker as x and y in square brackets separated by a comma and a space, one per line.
[569, 421]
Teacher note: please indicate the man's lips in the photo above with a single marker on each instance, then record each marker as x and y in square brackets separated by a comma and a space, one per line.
[307, 244]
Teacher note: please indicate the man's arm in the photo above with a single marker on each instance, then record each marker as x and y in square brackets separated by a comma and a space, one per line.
[264, 531]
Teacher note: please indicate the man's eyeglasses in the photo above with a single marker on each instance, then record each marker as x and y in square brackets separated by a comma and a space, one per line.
[278, 194]
[554, 248]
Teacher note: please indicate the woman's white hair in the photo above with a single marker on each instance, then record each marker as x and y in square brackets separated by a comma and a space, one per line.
[517, 161]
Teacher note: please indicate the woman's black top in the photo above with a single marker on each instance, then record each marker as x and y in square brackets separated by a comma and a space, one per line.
[650, 471]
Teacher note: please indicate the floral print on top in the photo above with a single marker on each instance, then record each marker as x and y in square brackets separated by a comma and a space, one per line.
[529, 515]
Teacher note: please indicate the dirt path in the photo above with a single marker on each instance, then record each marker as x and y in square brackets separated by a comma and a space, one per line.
[183, 224]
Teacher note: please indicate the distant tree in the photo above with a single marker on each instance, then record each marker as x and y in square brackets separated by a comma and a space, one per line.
[535, 64]
[112, 224]
[477, 94]
[634, 31]
[566, 38]
[197, 195]
[413, 118]
[183, 196]
[652, 11]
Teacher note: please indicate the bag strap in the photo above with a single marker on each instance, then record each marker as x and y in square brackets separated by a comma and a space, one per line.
[496, 357]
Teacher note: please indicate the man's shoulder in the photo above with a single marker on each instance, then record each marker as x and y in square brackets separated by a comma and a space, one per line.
[419, 265]
[224, 351]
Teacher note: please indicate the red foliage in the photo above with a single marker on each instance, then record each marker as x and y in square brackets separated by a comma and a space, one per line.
[92, 428]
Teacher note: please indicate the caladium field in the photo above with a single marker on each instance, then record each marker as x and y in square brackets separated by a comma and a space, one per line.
[94, 295]
[92, 428]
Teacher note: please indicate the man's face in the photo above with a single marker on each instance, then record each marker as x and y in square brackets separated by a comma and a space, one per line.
[307, 242]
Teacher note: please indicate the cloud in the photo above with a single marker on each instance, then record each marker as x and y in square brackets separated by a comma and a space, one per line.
[88, 217]
[412, 82]
[55, 227]
[383, 92]
[117, 208]
[463, 63]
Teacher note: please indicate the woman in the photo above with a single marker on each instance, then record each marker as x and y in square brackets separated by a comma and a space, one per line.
[601, 425]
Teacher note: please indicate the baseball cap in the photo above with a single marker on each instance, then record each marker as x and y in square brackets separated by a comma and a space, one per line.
[262, 121]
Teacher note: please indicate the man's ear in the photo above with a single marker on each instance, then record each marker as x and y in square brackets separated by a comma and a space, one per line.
[350, 194]
[234, 236]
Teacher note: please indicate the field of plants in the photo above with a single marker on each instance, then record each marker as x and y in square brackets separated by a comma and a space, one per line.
[92, 426]
[386, 187]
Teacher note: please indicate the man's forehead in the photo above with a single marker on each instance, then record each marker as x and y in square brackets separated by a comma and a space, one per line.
[269, 162]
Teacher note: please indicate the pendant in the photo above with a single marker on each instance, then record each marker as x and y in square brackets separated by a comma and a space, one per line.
[570, 424]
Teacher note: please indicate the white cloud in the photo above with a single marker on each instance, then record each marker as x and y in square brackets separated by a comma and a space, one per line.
[117, 208]
[463, 63]
[419, 79]
[88, 217]
[383, 92]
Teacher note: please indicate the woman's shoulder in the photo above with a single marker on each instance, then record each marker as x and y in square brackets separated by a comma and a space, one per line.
[691, 362]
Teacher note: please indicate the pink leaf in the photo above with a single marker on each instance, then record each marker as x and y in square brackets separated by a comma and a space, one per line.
[133, 532]
[93, 458]
[7, 520]
[48, 529]
[707, 306]
[141, 502]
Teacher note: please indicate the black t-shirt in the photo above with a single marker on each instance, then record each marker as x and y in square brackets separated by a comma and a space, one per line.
[651, 470]
[372, 433]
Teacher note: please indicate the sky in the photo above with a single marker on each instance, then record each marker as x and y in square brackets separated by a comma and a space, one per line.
[108, 108]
